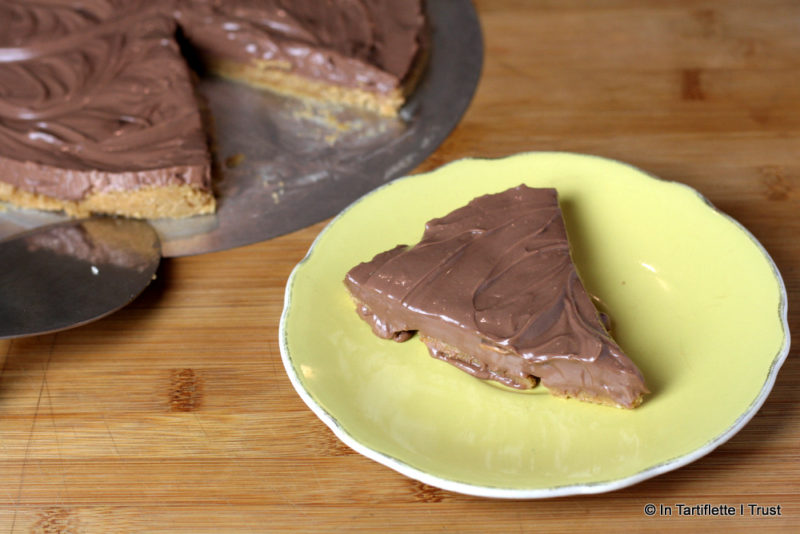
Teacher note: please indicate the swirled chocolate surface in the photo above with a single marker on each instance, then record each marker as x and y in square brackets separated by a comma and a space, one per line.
[25, 22]
[491, 288]
[95, 95]
[100, 101]
[368, 44]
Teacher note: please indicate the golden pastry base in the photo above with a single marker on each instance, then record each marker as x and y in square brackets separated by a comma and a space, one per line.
[150, 202]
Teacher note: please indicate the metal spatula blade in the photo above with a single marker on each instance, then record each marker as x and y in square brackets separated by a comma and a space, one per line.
[71, 273]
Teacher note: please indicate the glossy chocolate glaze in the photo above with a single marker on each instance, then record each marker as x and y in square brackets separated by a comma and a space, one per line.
[95, 95]
[108, 104]
[25, 22]
[365, 44]
[491, 288]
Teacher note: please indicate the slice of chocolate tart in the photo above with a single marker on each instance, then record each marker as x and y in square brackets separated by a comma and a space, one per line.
[492, 289]
[366, 54]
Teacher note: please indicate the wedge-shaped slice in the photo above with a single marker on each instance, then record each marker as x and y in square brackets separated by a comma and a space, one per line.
[492, 289]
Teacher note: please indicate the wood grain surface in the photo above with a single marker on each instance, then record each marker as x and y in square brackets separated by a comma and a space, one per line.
[175, 414]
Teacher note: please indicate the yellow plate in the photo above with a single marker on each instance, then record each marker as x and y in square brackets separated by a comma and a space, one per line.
[696, 302]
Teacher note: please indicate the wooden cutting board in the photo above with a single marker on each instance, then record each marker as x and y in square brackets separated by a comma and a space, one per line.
[175, 414]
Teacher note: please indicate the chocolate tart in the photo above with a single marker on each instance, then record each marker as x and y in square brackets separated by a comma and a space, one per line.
[491, 289]
[366, 54]
[102, 119]
[97, 108]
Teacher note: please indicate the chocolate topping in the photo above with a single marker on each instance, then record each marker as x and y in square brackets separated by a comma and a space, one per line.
[492, 289]
[102, 105]
[26, 22]
[95, 95]
[368, 44]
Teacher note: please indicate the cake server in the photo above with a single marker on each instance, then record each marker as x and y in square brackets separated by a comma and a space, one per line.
[71, 273]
